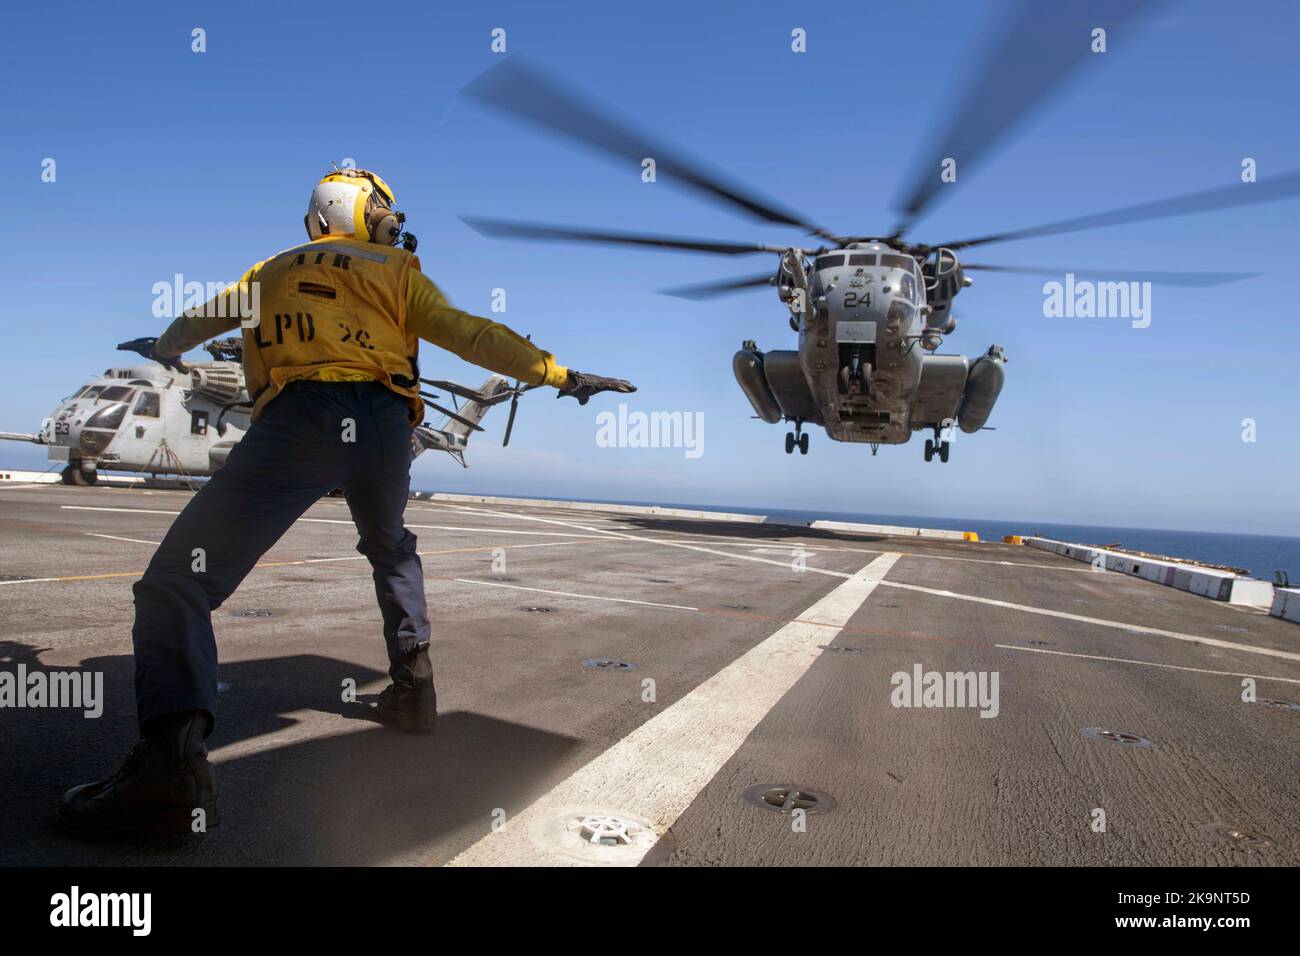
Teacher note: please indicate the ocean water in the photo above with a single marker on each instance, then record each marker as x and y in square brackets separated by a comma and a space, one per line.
[1261, 555]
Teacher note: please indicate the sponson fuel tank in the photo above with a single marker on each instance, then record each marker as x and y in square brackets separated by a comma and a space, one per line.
[983, 385]
[748, 366]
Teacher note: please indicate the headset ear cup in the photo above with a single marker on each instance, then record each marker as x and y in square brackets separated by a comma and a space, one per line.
[383, 226]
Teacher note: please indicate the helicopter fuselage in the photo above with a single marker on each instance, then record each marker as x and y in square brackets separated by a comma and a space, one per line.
[853, 343]
[864, 369]
[149, 419]
[152, 420]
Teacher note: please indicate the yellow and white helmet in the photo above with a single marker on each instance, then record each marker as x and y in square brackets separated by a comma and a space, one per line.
[354, 204]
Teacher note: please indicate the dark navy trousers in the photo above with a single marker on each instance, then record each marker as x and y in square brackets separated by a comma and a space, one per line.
[296, 452]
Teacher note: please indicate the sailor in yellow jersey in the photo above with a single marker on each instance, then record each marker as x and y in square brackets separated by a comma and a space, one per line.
[331, 360]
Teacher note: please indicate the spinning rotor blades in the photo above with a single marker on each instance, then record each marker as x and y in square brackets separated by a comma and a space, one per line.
[1194, 279]
[709, 290]
[1224, 197]
[500, 228]
[525, 93]
[1042, 45]
[1040, 48]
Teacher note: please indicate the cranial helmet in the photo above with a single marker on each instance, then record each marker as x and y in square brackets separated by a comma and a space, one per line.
[354, 204]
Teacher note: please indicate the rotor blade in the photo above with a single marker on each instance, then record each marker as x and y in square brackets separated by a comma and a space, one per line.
[510, 422]
[452, 415]
[526, 93]
[505, 229]
[709, 290]
[1194, 279]
[1040, 46]
[1224, 197]
[464, 391]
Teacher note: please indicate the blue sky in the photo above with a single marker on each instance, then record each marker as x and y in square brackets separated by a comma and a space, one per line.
[171, 161]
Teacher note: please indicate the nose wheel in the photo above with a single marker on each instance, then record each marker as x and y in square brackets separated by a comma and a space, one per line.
[73, 475]
[940, 448]
[796, 439]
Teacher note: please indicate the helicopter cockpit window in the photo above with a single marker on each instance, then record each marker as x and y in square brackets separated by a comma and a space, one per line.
[862, 259]
[890, 261]
[829, 262]
[91, 391]
[907, 287]
[147, 405]
[900, 312]
[116, 393]
[108, 418]
[198, 423]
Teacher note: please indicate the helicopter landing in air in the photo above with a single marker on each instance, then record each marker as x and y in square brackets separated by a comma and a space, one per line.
[870, 311]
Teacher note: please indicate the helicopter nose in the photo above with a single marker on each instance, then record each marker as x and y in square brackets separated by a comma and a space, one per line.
[93, 441]
[94, 436]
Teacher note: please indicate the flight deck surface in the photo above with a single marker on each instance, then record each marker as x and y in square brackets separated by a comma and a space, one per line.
[654, 670]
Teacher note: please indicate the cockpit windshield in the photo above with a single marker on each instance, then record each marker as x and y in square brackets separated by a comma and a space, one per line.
[108, 418]
[907, 287]
[830, 262]
[147, 404]
[116, 393]
[890, 261]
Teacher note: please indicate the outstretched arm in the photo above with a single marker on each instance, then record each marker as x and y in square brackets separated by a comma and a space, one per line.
[475, 339]
[195, 326]
[493, 345]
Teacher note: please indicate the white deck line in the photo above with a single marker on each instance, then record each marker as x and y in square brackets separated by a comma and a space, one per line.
[656, 771]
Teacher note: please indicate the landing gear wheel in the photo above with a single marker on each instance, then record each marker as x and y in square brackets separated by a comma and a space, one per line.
[83, 478]
[68, 474]
[803, 444]
[929, 450]
[789, 443]
[943, 451]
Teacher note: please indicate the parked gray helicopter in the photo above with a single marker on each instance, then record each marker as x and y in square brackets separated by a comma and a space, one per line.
[152, 420]
[870, 312]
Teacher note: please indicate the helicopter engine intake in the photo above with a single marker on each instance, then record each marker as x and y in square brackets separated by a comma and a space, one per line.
[221, 384]
[944, 278]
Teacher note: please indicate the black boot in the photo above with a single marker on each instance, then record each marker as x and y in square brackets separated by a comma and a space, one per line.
[410, 702]
[164, 779]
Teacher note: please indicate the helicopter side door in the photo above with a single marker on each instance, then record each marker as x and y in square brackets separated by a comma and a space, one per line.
[189, 429]
[141, 431]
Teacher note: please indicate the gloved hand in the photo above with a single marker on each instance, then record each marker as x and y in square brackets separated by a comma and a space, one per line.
[582, 386]
[170, 361]
[145, 346]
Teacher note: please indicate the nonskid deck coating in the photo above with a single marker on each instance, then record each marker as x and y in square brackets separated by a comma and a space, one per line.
[521, 596]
